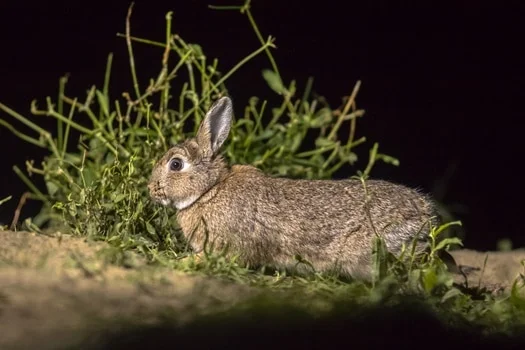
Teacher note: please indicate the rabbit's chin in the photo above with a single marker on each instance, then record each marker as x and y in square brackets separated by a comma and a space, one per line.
[181, 204]
[165, 202]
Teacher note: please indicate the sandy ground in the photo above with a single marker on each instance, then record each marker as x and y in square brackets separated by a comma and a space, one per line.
[494, 271]
[58, 287]
[55, 285]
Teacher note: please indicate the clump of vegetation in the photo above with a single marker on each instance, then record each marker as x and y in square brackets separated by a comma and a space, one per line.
[104, 148]
[98, 186]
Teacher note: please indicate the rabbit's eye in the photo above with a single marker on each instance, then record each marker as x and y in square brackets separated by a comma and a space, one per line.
[176, 164]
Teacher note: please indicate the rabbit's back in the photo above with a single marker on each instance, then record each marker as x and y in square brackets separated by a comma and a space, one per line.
[269, 220]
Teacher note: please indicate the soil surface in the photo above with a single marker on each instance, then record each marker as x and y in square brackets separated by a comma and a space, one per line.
[54, 290]
[51, 286]
[495, 271]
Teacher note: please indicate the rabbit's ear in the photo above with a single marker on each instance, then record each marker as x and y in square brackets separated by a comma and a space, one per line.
[215, 127]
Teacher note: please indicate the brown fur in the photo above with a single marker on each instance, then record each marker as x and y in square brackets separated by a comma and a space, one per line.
[268, 220]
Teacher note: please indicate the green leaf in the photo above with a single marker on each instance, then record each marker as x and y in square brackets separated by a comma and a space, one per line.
[51, 188]
[323, 117]
[118, 197]
[72, 209]
[515, 297]
[291, 90]
[324, 142]
[266, 134]
[103, 102]
[388, 159]
[429, 280]
[443, 227]
[452, 293]
[296, 142]
[82, 196]
[151, 230]
[248, 122]
[350, 157]
[448, 241]
[274, 81]
[197, 50]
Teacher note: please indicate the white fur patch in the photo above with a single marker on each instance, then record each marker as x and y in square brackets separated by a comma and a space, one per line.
[186, 202]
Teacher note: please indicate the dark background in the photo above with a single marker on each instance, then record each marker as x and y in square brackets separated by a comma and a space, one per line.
[442, 85]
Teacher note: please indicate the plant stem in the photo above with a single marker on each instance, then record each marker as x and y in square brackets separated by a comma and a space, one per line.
[130, 54]
[30, 184]
[21, 134]
[346, 109]
[61, 88]
[23, 119]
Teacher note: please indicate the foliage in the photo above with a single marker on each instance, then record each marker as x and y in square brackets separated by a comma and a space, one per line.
[98, 188]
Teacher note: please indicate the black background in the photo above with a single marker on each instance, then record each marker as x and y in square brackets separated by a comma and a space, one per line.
[442, 85]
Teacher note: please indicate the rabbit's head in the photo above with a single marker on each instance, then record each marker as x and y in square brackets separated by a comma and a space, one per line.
[190, 169]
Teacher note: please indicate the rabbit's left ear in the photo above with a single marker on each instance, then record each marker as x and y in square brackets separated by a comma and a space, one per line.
[215, 127]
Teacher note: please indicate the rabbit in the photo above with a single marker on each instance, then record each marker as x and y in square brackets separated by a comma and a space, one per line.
[272, 221]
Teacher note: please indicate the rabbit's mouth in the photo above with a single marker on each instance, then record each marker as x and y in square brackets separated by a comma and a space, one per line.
[163, 199]
[160, 198]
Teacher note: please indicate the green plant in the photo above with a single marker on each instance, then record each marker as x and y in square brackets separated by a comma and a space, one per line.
[98, 188]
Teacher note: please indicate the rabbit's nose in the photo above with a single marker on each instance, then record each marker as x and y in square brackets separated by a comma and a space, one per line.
[150, 186]
[153, 186]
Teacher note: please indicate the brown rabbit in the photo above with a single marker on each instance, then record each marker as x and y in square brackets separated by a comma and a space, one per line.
[270, 221]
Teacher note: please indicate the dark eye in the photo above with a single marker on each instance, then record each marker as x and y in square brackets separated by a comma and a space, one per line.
[176, 164]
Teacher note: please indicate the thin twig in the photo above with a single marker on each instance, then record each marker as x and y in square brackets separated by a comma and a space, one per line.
[18, 209]
[130, 53]
[349, 103]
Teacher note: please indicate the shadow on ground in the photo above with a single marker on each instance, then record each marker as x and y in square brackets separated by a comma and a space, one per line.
[406, 326]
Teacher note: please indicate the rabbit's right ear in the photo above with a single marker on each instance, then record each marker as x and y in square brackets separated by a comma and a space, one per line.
[215, 127]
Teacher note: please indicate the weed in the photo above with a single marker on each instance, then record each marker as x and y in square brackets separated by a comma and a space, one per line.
[98, 188]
